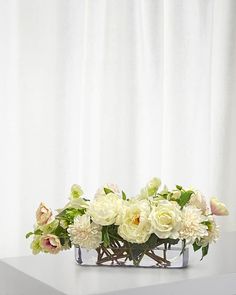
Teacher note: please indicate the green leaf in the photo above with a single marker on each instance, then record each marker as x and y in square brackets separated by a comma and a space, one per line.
[107, 190]
[207, 223]
[38, 232]
[205, 250]
[105, 236]
[183, 248]
[184, 198]
[123, 196]
[196, 247]
[69, 214]
[172, 241]
[179, 187]
[29, 234]
[136, 250]
[60, 231]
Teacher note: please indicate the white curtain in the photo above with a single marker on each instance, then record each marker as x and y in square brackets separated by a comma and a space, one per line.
[114, 91]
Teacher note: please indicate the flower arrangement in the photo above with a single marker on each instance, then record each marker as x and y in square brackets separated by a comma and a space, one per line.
[131, 227]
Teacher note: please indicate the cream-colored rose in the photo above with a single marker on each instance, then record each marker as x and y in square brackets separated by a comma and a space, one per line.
[104, 209]
[50, 244]
[197, 200]
[165, 219]
[43, 214]
[135, 226]
[218, 208]
[84, 233]
[192, 227]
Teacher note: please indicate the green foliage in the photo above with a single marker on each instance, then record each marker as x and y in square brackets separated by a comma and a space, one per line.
[179, 187]
[137, 251]
[69, 214]
[207, 223]
[184, 198]
[196, 247]
[29, 234]
[124, 195]
[107, 190]
[105, 236]
[205, 251]
[36, 232]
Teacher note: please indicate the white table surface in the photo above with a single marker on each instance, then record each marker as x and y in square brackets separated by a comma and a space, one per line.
[59, 274]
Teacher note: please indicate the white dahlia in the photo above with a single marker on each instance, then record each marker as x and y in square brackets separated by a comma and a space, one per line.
[213, 233]
[192, 227]
[84, 233]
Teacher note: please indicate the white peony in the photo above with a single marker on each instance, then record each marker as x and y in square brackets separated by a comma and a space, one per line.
[104, 209]
[166, 219]
[84, 233]
[135, 226]
[192, 227]
[197, 200]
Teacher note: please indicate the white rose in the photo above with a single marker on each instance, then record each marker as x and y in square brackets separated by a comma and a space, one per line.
[135, 226]
[104, 209]
[165, 219]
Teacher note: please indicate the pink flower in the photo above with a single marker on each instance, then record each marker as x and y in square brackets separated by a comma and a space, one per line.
[50, 244]
[43, 214]
[218, 208]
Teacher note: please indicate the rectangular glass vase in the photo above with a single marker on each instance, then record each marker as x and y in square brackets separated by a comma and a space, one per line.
[159, 257]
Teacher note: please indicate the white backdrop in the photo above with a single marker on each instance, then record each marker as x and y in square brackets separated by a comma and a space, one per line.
[113, 91]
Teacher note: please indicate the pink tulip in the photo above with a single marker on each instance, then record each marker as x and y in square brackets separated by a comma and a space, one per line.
[218, 208]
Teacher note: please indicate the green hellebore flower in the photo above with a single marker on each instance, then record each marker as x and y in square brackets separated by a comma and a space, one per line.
[153, 186]
[76, 191]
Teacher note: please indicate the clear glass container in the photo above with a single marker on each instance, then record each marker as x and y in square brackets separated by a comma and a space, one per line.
[160, 257]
